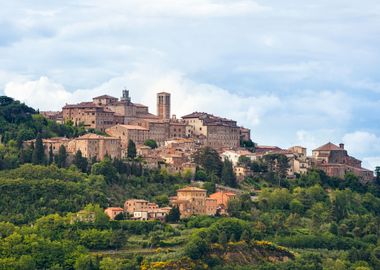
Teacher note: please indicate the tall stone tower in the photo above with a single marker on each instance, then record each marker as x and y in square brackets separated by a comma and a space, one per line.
[163, 105]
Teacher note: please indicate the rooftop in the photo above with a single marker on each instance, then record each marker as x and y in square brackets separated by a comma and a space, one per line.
[92, 136]
[191, 189]
[329, 147]
[105, 97]
[134, 127]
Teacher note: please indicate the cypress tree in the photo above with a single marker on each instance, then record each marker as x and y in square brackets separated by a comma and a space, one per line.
[131, 153]
[38, 156]
[61, 157]
[228, 175]
[51, 155]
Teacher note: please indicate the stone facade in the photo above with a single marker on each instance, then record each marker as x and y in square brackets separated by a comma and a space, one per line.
[54, 143]
[125, 133]
[105, 111]
[335, 161]
[163, 105]
[96, 146]
[112, 212]
[218, 132]
[222, 198]
[194, 201]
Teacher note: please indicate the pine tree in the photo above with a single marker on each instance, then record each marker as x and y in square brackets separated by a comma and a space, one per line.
[131, 153]
[38, 156]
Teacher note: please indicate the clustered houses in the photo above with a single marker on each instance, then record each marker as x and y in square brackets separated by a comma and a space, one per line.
[332, 159]
[139, 210]
[178, 139]
[194, 201]
[190, 201]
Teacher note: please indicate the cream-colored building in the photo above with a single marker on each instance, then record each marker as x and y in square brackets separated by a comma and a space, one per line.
[218, 132]
[125, 133]
[93, 145]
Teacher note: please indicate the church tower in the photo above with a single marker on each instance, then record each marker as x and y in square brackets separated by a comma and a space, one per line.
[163, 105]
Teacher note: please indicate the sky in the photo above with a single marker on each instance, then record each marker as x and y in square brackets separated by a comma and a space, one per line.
[295, 72]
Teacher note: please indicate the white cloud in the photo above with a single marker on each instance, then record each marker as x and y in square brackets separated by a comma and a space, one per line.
[371, 162]
[362, 142]
[43, 94]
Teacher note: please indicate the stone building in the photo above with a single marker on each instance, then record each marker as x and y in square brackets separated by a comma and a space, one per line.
[163, 106]
[112, 212]
[222, 198]
[96, 146]
[105, 111]
[335, 161]
[144, 210]
[55, 143]
[218, 132]
[194, 201]
[125, 133]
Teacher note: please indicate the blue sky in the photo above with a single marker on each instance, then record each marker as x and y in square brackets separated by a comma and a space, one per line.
[295, 72]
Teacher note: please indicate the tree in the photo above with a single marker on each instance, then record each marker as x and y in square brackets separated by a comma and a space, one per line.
[377, 174]
[228, 175]
[196, 248]
[201, 175]
[245, 236]
[222, 238]
[209, 159]
[85, 262]
[151, 143]
[38, 156]
[131, 152]
[61, 157]
[174, 215]
[80, 162]
[111, 264]
[51, 155]
[106, 169]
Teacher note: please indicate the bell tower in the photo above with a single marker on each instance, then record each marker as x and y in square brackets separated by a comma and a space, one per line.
[163, 105]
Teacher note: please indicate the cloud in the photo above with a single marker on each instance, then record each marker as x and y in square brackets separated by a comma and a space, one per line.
[43, 94]
[362, 142]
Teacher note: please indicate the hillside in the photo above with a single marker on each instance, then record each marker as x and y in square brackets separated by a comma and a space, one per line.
[53, 218]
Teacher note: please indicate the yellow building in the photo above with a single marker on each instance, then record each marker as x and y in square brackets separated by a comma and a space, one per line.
[194, 201]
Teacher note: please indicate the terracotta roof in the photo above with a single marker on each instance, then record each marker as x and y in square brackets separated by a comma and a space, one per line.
[82, 105]
[191, 189]
[328, 147]
[105, 96]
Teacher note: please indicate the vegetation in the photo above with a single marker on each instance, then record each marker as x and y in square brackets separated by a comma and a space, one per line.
[51, 211]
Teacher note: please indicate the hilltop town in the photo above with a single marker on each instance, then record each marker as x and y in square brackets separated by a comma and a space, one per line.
[108, 185]
[165, 141]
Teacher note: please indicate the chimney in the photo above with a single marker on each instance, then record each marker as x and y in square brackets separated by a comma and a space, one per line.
[341, 145]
